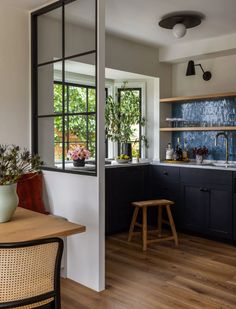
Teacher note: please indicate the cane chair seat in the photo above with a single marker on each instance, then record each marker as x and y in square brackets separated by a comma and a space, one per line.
[30, 274]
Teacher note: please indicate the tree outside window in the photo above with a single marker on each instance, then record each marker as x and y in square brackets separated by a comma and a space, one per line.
[79, 118]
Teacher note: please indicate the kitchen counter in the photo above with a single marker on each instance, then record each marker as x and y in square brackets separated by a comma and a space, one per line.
[117, 165]
[198, 166]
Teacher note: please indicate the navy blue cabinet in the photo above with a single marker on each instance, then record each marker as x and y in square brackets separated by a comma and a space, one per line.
[203, 198]
[165, 183]
[123, 186]
[207, 205]
[234, 205]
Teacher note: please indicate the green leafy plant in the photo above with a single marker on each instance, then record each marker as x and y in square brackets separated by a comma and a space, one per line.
[77, 125]
[15, 162]
[122, 116]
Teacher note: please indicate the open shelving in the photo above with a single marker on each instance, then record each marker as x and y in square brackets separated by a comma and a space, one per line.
[166, 106]
[198, 97]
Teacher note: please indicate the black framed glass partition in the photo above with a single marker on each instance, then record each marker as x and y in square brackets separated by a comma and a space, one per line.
[64, 84]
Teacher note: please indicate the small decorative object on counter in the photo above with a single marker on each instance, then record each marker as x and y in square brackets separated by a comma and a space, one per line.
[14, 163]
[200, 153]
[169, 152]
[178, 153]
[78, 155]
[123, 158]
[185, 151]
[135, 159]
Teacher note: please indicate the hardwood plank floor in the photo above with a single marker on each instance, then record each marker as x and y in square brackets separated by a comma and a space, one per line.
[199, 274]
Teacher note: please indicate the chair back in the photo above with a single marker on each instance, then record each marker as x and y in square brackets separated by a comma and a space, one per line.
[30, 273]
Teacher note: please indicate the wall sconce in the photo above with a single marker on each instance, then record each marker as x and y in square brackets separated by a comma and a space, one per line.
[191, 70]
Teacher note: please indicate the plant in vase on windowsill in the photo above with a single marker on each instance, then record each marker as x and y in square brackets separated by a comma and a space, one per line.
[200, 153]
[14, 163]
[78, 155]
[122, 118]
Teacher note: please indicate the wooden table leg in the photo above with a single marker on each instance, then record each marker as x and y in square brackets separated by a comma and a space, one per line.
[131, 229]
[159, 221]
[144, 228]
[172, 224]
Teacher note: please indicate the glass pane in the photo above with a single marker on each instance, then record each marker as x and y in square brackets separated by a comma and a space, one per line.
[49, 89]
[92, 150]
[79, 27]
[91, 100]
[92, 128]
[76, 130]
[50, 141]
[50, 36]
[77, 99]
[130, 103]
[81, 70]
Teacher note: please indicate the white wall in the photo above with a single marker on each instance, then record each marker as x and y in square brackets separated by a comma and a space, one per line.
[14, 77]
[125, 55]
[223, 71]
[76, 198]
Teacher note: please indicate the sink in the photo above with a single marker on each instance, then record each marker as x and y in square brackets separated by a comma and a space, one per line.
[225, 165]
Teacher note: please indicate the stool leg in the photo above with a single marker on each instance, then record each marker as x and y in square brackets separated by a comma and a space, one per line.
[131, 229]
[159, 221]
[172, 224]
[144, 228]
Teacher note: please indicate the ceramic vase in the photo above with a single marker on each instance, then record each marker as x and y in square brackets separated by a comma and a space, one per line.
[79, 162]
[8, 202]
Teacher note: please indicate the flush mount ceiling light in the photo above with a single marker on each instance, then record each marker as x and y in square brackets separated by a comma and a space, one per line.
[180, 22]
[191, 70]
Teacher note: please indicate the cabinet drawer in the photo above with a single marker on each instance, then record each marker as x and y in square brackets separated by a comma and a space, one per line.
[204, 176]
[165, 173]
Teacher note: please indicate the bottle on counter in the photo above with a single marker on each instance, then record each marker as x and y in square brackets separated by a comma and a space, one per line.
[178, 153]
[169, 152]
[185, 150]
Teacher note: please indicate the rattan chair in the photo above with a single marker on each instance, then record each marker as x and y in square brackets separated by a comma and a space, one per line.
[30, 274]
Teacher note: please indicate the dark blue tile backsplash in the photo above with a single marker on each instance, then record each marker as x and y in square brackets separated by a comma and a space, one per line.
[207, 113]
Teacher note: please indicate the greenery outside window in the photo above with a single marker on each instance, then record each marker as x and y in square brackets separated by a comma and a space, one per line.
[130, 100]
[79, 119]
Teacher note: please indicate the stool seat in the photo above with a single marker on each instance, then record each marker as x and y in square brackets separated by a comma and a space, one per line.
[150, 203]
[143, 205]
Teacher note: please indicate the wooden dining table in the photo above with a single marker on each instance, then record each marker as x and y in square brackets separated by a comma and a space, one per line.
[29, 225]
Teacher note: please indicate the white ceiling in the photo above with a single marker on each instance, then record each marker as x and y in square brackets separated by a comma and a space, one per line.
[138, 19]
[26, 4]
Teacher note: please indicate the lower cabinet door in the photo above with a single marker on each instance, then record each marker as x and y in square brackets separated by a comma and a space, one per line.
[195, 201]
[220, 213]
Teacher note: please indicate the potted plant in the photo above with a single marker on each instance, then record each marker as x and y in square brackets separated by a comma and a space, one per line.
[200, 153]
[78, 155]
[121, 119]
[14, 163]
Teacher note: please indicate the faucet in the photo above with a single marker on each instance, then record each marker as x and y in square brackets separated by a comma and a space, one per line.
[226, 144]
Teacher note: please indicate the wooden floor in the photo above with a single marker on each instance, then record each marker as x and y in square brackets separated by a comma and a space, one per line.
[199, 274]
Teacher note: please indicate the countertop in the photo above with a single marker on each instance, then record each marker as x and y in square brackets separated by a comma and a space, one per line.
[117, 165]
[207, 165]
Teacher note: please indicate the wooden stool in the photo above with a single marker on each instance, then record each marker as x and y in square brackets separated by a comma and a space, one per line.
[152, 203]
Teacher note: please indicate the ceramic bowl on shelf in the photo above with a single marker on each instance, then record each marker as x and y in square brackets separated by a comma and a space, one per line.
[122, 161]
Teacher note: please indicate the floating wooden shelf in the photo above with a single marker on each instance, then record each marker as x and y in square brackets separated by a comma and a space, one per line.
[199, 97]
[231, 128]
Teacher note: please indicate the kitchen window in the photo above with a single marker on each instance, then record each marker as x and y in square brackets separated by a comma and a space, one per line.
[79, 118]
